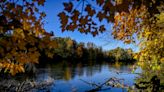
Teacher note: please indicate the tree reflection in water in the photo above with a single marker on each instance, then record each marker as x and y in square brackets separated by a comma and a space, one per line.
[67, 75]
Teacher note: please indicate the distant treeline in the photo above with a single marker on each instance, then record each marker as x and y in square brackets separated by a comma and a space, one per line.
[68, 49]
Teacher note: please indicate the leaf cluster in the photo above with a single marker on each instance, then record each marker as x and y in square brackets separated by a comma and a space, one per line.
[22, 36]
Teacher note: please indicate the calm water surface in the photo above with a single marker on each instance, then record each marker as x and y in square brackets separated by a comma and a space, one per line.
[68, 77]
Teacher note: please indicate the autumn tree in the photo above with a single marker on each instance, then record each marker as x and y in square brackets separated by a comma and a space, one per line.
[121, 55]
[134, 21]
[22, 35]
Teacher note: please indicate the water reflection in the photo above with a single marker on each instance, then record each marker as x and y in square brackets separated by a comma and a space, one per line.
[67, 76]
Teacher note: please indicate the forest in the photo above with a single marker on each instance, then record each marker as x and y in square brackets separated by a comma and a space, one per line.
[24, 42]
[68, 49]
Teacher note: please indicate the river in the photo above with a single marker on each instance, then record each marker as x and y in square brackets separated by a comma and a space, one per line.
[67, 77]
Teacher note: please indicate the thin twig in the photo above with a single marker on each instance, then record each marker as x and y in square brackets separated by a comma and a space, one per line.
[77, 5]
[114, 81]
[93, 84]
[92, 5]
[82, 7]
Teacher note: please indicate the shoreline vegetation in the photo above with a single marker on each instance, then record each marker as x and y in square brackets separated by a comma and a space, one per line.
[68, 49]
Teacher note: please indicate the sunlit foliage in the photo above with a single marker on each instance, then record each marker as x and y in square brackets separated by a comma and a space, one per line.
[22, 35]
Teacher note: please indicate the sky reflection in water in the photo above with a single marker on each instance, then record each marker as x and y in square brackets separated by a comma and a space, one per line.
[67, 76]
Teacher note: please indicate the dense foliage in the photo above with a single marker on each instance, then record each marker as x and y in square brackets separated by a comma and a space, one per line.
[21, 34]
[68, 49]
[121, 55]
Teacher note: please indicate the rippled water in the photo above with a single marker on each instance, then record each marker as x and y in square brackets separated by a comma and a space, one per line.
[68, 77]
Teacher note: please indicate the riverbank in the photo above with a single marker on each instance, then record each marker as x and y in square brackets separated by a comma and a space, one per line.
[26, 85]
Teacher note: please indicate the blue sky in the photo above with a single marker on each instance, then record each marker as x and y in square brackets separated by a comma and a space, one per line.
[53, 7]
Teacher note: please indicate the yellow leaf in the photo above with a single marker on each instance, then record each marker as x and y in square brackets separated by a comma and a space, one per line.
[21, 69]
[128, 41]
